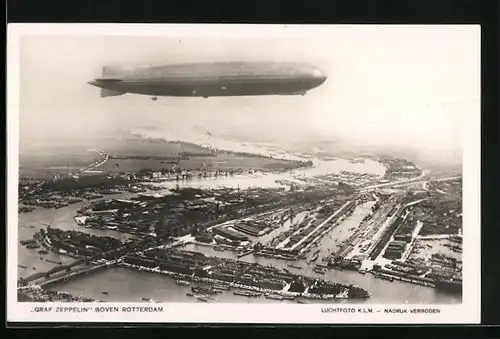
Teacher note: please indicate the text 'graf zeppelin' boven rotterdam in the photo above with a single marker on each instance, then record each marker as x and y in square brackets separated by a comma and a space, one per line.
[211, 79]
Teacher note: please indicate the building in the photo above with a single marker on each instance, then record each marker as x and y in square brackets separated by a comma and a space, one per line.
[229, 234]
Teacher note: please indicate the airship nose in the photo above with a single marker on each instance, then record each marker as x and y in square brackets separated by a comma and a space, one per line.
[318, 74]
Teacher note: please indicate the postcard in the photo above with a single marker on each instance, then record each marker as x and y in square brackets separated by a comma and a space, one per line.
[293, 174]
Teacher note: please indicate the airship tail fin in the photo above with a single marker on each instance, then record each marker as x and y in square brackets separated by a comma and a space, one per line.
[110, 93]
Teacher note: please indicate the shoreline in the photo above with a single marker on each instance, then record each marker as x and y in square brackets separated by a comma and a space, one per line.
[237, 285]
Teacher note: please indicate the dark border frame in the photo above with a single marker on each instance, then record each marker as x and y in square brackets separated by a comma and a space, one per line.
[480, 12]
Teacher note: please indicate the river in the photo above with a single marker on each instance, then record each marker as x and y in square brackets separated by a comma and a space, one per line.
[125, 284]
[268, 180]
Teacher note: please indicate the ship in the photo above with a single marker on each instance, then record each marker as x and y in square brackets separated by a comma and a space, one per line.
[53, 261]
[22, 266]
[220, 287]
[319, 270]
[182, 282]
[105, 292]
[198, 289]
[28, 242]
[274, 296]
[219, 248]
[202, 298]
[189, 294]
[294, 266]
[43, 252]
[384, 277]
[247, 293]
[300, 301]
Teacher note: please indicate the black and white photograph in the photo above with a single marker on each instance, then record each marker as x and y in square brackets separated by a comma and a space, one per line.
[238, 173]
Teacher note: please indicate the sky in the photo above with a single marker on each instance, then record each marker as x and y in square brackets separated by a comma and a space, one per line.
[387, 85]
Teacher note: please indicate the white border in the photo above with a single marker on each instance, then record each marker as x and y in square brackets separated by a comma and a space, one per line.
[467, 312]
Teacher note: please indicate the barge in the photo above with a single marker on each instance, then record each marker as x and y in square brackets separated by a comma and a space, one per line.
[274, 296]
[221, 287]
[203, 290]
[247, 293]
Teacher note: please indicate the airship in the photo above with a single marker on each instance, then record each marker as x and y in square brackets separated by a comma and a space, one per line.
[211, 79]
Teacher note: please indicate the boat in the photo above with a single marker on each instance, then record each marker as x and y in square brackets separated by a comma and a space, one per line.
[384, 277]
[22, 266]
[319, 270]
[34, 268]
[294, 266]
[274, 296]
[220, 287]
[300, 301]
[182, 282]
[198, 289]
[202, 298]
[28, 242]
[32, 245]
[189, 294]
[247, 293]
[43, 252]
[105, 292]
[219, 248]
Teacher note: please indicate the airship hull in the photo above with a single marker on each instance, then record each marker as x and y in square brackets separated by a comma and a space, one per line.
[209, 80]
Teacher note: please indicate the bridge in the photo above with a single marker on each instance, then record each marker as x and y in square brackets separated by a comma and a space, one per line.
[76, 265]
[81, 267]
[73, 274]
